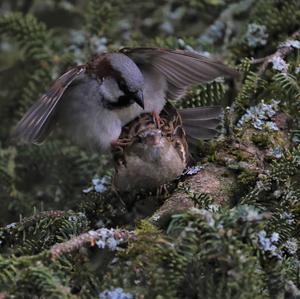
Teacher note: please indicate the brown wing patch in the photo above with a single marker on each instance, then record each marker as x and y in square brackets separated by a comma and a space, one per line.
[37, 121]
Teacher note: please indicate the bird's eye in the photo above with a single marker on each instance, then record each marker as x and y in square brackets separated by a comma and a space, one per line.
[122, 85]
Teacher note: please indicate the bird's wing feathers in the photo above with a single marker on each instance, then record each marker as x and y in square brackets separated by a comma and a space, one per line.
[36, 123]
[201, 122]
[180, 68]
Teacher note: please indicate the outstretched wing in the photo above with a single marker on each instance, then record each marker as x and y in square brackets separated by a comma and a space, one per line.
[36, 123]
[180, 68]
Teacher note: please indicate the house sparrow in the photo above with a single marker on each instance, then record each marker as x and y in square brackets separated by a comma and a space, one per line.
[92, 102]
[153, 157]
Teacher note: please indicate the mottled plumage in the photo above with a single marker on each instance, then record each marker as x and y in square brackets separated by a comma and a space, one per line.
[153, 157]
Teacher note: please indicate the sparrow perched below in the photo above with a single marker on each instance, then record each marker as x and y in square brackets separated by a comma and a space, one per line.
[92, 102]
[153, 157]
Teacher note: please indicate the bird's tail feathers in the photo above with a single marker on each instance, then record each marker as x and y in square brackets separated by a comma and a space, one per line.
[202, 123]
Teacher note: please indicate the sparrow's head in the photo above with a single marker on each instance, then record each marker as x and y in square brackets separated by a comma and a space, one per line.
[123, 82]
[151, 137]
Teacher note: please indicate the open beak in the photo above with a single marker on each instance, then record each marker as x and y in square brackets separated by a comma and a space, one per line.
[139, 99]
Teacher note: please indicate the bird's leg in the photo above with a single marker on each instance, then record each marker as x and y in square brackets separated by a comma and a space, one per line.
[156, 119]
[161, 190]
[119, 158]
[117, 149]
[118, 197]
[121, 142]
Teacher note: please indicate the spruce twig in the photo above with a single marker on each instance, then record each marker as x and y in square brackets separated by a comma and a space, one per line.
[103, 237]
[282, 52]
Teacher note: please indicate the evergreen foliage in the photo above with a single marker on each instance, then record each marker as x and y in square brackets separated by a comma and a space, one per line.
[246, 247]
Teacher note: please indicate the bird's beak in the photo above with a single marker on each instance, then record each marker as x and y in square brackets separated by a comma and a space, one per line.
[139, 99]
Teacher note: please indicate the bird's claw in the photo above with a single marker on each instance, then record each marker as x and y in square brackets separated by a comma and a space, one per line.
[120, 143]
[117, 149]
[161, 190]
[156, 119]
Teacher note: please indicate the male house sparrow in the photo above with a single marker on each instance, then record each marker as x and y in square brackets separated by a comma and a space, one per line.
[92, 102]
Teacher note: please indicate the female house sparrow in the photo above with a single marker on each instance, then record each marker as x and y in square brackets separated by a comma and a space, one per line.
[153, 157]
[92, 102]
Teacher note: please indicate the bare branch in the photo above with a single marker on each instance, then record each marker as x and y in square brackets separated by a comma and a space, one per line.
[282, 51]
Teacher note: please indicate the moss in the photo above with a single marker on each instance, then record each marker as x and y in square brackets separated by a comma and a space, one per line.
[246, 179]
[209, 150]
[146, 228]
[261, 140]
[241, 155]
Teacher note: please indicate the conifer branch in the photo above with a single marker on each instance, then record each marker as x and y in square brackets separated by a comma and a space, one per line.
[102, 237]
